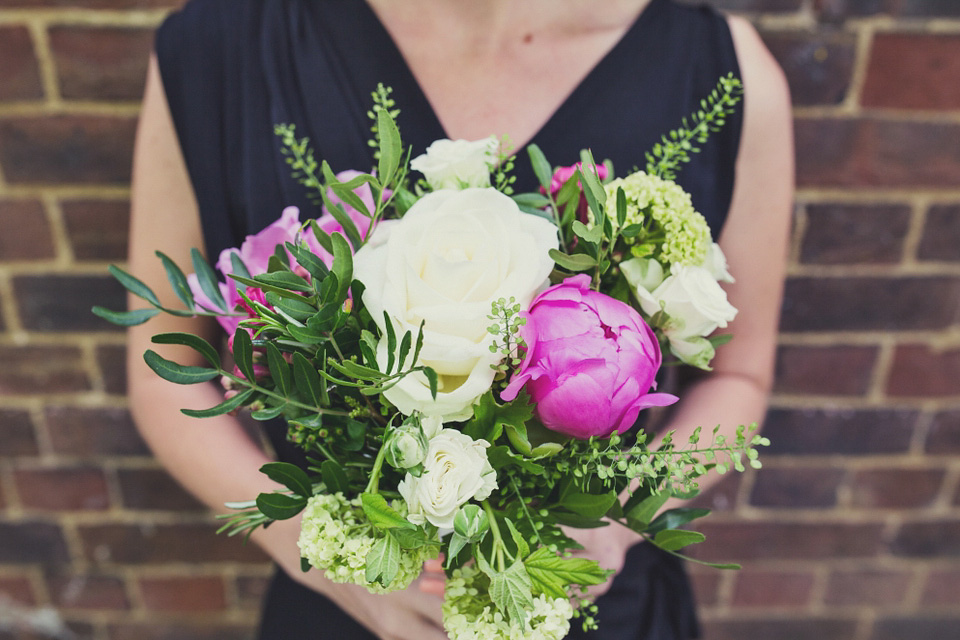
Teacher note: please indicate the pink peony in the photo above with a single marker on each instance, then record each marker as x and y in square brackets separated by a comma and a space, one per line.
[590, 361]
[560, 177]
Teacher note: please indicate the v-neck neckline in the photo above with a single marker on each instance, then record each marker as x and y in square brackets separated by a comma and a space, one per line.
[427, 113]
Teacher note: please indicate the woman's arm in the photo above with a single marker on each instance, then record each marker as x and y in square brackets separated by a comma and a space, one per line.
[754, 240]
[214, 458]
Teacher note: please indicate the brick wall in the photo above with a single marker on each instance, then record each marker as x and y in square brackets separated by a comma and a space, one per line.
[850, 532]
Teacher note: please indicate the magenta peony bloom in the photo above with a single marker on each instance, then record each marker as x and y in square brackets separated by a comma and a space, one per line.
[560, 177]
[590, 361]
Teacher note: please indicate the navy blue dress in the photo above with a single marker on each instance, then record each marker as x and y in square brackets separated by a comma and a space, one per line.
[234, 68]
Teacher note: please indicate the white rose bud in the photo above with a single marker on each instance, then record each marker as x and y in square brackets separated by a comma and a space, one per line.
[457, 164]
[716, 264]
[406, 446]
[456, 470]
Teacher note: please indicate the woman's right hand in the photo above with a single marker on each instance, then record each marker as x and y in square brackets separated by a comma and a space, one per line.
[412, 614]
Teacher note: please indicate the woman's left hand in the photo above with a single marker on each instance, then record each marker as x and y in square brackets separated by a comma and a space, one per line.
[607, 545]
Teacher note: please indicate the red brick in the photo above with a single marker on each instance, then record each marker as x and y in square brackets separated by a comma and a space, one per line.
[931, 627]
[919, 370]
[101, 63]
[766, 6]
[804, 627]
[88, 591]
[251, 590]
[32, 543]
[870, 304]
[942, 588]
[154, 489]
[839, 432]
[83, 431]
[67, 149]
[928, 539]
[837, 370]
[24, 231]
[896, 488]
[18, 589]
[818, 65]
[944, 436]
[163, 543]
[721, 496]
[744, 541]
[874, 587]
[913, 71]
[19, 438]
[97, 229]
[756, 588]
[37, 370]
[876, 152]
[63, 303]
[190, 594]
[64, 489]
[839, 9]
[111, 360]
[179, 631]
[852, 234]
[941, 234]
[19, 73]
[805, 487]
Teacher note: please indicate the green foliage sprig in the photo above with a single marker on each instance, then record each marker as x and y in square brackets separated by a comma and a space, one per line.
[675, 147]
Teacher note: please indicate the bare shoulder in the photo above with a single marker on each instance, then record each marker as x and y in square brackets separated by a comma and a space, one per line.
[764, 81]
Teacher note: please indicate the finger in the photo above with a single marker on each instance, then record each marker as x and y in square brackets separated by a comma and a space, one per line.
[432, 585]
[434, 565]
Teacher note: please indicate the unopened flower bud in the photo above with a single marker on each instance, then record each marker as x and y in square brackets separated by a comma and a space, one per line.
[406, 446]
[471, 522]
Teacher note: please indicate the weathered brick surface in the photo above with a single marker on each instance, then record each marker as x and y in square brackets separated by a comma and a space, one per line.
[24, 231]
[20, 72]
[849, 532]
[907, 70]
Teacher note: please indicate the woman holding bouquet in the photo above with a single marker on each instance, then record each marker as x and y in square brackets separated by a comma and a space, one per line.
[566, 75]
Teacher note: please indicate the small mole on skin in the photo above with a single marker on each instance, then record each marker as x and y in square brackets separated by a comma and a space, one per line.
[528, 38]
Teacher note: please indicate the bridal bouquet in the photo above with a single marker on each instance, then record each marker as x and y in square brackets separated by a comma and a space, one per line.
[465, 367]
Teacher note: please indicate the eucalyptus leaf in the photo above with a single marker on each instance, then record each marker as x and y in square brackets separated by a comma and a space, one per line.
[307, 380]
[196, 343]
[230, 404]
[178, 281]
[279, 370]
[125, 318]
[391, 147]
[178, 373]
[134, 285]
[540, 166]
[243, 353]
[207, 280]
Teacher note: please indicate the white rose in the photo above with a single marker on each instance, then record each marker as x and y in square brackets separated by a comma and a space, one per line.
[444, 263]
[457, 164]
[456, 470]
[716, 264]
[697, 307]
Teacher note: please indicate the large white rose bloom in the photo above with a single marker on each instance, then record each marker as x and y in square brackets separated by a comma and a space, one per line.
[457, 164]
[444, 263]
[455, 470]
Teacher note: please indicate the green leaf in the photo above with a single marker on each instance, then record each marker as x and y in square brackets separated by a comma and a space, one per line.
[575, 262]
[279, 370]
[280, 506]
[263, 415]
[720, 339]
[334, 477]
[391, 343]
[531, 200]
[125, 318]
[178, 281]
[196, 343]
[134, 285]
[243, 353]
[674, 518]
[490, 418]
[404, 348]
[283, 279]
[645, 512]
[381, 514]
[228, 405]
[383, 561]
[522, 547]
[346, 193]
[342, 265]
[512, 592]
[621, 207]
[289, 475]
[391, 147]
[550, 574]
[432, 380]
[540, 166]
[456, 544]
[178, 373]
[323, 238]
[674, 539]
[307, 380]
[207, 279]
[309, 261]
[589, 505]
[591, 235]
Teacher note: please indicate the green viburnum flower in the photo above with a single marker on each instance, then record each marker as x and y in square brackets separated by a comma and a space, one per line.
[649, 198]
[469, 614]
[336, 536]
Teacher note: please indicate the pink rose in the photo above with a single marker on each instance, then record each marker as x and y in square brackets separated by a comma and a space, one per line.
[590, 361]
[560, 177]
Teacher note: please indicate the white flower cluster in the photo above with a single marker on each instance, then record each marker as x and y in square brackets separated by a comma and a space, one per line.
[335, 536]
[469, 614]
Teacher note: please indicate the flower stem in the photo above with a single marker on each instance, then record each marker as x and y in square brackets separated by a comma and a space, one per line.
[497, 538]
